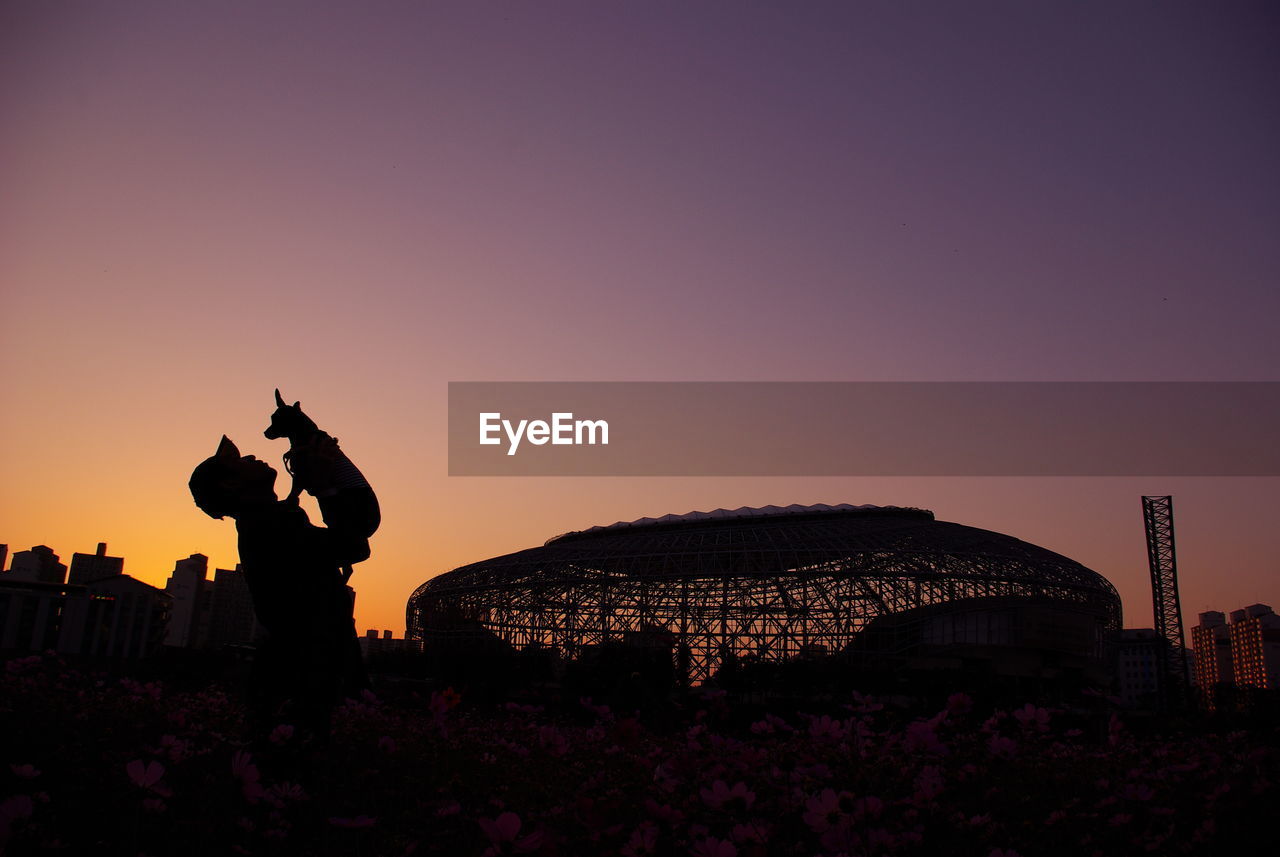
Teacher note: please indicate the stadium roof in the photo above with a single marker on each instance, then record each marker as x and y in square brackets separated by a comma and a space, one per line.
[743, 512]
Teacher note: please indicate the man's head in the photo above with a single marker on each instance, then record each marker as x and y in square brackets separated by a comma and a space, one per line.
[227, 482]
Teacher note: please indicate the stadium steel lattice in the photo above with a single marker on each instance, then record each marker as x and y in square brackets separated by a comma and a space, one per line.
[769, 582]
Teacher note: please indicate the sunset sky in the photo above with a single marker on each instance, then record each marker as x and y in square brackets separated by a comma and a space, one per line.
[359, 202]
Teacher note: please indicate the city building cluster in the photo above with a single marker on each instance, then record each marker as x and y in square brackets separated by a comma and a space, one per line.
[96, 610]
[1241, 653]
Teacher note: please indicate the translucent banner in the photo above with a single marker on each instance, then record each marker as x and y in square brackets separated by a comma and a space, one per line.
[864, 429]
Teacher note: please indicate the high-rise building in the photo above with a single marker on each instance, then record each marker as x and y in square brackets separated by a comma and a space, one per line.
[1242, 654]
[204, 616]
[1212, 643]
[186, 587]
[88, 567]
[1255, 646]
[4, 554]
[31, 613]
[1137, 666]
[114, 617]
[373, 645]
[38, 565]
[233, 621]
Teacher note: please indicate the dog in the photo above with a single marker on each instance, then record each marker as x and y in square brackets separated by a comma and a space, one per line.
[305, 437]
[290, 422]
[319, 467]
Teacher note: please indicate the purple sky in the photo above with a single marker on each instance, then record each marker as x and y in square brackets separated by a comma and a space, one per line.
[359, 202]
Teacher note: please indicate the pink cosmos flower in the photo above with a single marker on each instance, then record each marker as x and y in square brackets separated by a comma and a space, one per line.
[601, 711]
[25, 772]
[358, 821]
[712, 847]
[825, 727]
[864, 704]
[664, 779]
[663, 812]
[720, 794]
[880, 840]
[518, 749]
[921, 738]
[552, 740]
[502, 833]
[841, 838]
[281, 734]
[12, 809]
[243, 769]
[144, 775]
[1002, 747]
[819, 772]
[289, 791]
[823, 810]
[174, 747]
[753, 832]
[18, 806]
[440, 703]
[867, 807]
[147, 776]
[644, 839]
[1137, 791]
[959, 703]
[1032, 717]
[1115, 729]
[928, 784]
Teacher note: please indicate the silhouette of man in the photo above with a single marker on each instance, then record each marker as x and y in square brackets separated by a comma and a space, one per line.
[311, 656]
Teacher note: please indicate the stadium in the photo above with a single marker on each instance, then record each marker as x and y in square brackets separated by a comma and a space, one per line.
[776, 584]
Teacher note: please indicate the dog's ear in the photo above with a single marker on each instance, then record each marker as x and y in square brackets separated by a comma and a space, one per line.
[298, 405]
[227, 449]
[279, 400]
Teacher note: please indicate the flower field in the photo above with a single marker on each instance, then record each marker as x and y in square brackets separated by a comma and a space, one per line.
[94, 765]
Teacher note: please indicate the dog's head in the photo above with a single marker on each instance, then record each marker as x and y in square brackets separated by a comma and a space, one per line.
[288, 420]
